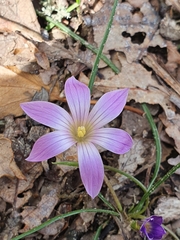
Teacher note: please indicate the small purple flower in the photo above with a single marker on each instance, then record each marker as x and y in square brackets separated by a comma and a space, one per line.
[152, 229]
[81, 127]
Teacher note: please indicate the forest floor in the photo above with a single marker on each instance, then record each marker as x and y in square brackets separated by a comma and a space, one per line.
[143, 44]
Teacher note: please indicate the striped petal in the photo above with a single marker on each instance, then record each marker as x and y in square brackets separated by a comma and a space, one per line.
[50, 145]
[48, 114]
[152, 229]
[109, 106]
[91, 168]
[78, 98]
[112, 139]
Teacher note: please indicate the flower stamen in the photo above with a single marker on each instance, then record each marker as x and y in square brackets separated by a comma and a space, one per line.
[81, 131]
[148, 227]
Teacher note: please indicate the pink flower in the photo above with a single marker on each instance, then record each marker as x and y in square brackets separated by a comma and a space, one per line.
[81, 127]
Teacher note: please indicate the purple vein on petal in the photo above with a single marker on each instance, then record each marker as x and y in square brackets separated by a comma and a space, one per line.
[108, 107]
[112, 139]
[48, 114]
[78, 98]
[50, 145]
[91, 168]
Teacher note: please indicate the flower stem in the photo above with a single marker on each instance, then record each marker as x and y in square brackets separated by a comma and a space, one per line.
[170, 232]
[98, 56]
[156, 185]
[158, 157]
[163, 179]
[105, 201]
[157, 142]
[118, 204]
[81, 40]
[96, 237]
[136, 181]
[54, 219]
[72, 7]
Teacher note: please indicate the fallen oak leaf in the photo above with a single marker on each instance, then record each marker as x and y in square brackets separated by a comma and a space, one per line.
[34, 216]
[9, 187]
[16, 12]
[17, 87]
[8, 166]
[172, 128]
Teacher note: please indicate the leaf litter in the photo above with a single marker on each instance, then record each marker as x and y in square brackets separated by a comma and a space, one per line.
[143, 44]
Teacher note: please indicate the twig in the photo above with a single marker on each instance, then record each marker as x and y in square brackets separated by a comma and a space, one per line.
[93, 102]
[151, 62]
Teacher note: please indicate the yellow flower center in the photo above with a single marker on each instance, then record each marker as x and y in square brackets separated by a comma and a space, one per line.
[81, 131]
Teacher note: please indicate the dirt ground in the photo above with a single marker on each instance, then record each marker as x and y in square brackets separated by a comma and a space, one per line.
[36, 58]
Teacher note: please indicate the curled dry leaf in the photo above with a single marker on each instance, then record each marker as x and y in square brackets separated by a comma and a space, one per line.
[134, 124]
[137, 4]
[172, 128]
[175, 161]
[168, 208]
[17, 87]
[142, 86]
[131, 31]
[143, 150]
[173, 59]
[152, 62]
[88, 217]
[8, 166]
[169, 28]
[16, 11]
[16, 50]
[10, 188]
[69, 155]
[33, 216]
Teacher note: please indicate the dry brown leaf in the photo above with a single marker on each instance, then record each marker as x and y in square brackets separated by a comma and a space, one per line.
[134, 124]
[69, 155]
[143, 150]
[46, 75]
[168, 208]
[114, 237]
[173, 54]
[172, 128]
[151, 61]
[17, 51]
[55, 50]
[21, 12]
[169, 28]
[174, 3]
[131, 31]
[8, 166]
[142, 86]
[33, 216]
[175, 161]
[88, 217]
[10, 188]
[137, 4]
[173, 59]
[42, 60]
[17, 87]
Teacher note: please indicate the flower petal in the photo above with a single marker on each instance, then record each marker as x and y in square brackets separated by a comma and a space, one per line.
[50, 145]
[112, 139]
[78, 98]
[156, 219]
[109, 106]
[152, 229]
[91, 168]
[156, 231]
[48, 114]
[143, 231]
